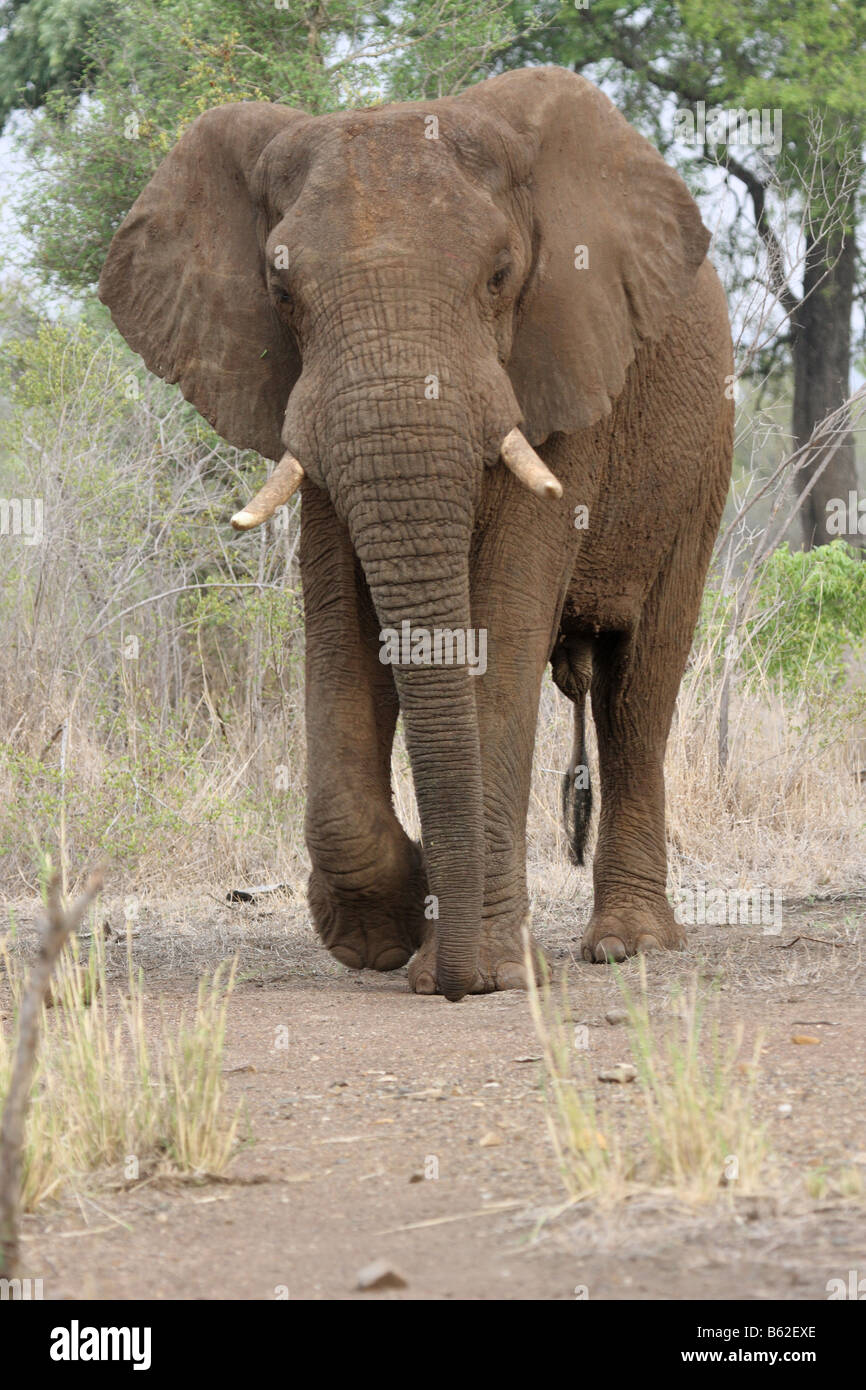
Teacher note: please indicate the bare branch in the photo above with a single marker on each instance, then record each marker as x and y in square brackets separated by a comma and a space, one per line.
[58, 924]
[757, 190]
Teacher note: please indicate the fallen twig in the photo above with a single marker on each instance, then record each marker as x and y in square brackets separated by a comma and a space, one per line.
[821, 940]
[461, 1216]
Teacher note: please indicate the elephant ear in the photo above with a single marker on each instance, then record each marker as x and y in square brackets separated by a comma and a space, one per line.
[592, 182]
[185, 276]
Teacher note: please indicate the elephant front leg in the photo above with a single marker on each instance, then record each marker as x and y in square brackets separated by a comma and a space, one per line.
[367, 886]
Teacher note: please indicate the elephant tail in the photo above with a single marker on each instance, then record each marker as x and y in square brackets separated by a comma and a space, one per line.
[576, 788]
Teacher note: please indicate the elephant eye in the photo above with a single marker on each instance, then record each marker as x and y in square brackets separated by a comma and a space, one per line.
[497, 279]
[279, 292]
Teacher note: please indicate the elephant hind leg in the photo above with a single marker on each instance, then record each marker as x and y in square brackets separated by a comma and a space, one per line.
[635, 682]
[572, 672]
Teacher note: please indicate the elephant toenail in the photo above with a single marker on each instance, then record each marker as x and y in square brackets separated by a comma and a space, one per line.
[610, 948]
[391, 958]
[510, 976]
[424, 983]
[348, 957]
[648, 942]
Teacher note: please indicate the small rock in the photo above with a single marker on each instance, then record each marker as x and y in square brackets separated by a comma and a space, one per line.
[615, 1016]
[380, 1275]
[529, 1057]
[622, 1072]
[804, 1038]
[490, 1139]
[786, 1110]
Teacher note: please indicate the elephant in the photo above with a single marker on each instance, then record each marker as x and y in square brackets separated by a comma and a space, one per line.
[481, 335]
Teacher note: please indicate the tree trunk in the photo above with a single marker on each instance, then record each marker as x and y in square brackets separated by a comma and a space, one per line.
[822, 355]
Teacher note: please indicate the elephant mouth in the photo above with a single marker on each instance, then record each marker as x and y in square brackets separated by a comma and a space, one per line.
[516, 453]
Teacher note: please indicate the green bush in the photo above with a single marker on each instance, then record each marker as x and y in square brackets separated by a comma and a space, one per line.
[806, 617]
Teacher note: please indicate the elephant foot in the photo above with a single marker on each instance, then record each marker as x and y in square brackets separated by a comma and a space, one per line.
[367, 934]
[616, 932]
[500, 963]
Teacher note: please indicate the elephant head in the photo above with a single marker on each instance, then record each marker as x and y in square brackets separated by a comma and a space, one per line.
[388, 301]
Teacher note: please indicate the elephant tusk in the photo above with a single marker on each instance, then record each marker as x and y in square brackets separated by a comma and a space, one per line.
[281, 485]
[519, 456]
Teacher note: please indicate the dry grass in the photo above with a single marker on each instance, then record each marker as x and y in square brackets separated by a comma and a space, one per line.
[150, 699]
[696, 1094]
[114, 1084]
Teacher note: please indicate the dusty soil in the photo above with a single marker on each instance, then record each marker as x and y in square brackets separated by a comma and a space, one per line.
[384, 1125]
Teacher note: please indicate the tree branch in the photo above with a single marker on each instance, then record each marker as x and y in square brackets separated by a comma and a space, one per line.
[59, 923]
[757, 191]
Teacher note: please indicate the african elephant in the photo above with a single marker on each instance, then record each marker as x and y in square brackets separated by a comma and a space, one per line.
[482, 336]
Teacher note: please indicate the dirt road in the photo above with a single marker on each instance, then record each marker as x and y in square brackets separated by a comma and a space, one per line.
[386, 1126]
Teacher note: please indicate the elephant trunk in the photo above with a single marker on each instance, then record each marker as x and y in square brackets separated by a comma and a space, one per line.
[411, 530]
[442, 738]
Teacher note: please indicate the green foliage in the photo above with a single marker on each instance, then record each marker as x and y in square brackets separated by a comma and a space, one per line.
[150, 799]
[19, 316]
[802, 57]
[46, 47]
[431, 49]
[808, 615]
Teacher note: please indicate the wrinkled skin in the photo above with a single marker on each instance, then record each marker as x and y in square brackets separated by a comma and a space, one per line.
[308, 282]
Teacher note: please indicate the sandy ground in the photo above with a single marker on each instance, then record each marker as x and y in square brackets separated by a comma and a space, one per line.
[388, 1126]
